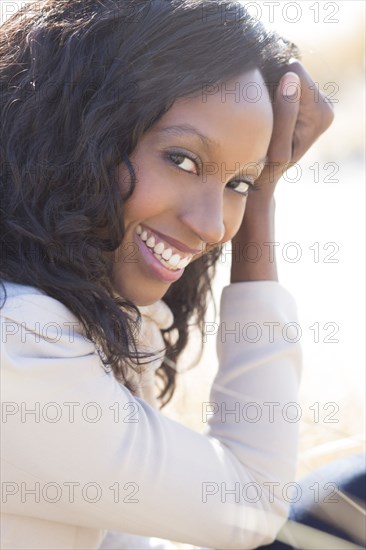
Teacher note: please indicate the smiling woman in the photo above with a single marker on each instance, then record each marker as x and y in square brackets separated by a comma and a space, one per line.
[126, 161]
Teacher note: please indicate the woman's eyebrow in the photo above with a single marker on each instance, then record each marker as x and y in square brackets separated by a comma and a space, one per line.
[187, 129]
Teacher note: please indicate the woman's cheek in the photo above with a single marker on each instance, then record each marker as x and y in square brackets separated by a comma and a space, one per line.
[233, 217]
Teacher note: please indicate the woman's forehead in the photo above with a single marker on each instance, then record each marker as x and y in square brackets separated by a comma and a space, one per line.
[222, 120]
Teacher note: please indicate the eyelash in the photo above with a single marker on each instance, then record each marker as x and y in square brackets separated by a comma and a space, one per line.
[197, 162]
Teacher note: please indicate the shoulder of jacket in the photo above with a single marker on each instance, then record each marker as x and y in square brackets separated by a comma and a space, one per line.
[34, 324]
[26, 304]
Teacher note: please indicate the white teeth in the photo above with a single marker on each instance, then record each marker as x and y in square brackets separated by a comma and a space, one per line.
[183, 263]
[164, 263]
[150, 242]
[159, 248]
[174, 260]
[167, 254]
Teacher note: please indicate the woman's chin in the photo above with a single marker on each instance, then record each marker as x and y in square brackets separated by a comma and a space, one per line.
[141, 296]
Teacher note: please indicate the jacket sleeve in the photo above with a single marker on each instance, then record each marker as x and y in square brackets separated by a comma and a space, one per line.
[104, 458]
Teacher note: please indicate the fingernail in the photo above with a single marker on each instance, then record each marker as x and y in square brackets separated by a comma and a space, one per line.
[290, 87]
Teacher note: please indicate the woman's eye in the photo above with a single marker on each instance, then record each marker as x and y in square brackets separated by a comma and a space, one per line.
[241, 187]
[184, 162]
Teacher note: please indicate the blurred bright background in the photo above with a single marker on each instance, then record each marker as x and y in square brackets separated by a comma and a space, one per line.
[321, 209]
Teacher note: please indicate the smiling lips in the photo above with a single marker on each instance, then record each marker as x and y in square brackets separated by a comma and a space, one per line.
[170, 259]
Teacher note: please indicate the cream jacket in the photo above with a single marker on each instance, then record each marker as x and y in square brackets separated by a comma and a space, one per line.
[84, 460]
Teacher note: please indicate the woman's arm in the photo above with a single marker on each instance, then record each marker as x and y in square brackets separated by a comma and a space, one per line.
[255, 237]
[83, 454]
[298, 122]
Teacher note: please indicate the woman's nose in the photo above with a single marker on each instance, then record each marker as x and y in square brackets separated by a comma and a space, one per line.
[204, 215]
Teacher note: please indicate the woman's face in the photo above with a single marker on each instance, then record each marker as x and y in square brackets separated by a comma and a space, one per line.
[192, 167]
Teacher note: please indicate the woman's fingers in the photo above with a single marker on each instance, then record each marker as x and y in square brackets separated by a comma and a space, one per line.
[285, 111]
[301, 114]
[285, 114]
[316, 112]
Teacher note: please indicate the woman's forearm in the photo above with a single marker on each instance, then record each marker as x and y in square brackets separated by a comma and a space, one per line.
[253, 253]
[298, 122]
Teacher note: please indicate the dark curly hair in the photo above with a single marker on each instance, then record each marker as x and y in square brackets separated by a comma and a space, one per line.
[80, 83]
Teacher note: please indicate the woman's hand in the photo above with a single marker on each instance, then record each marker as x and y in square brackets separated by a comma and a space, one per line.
[298, 121]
